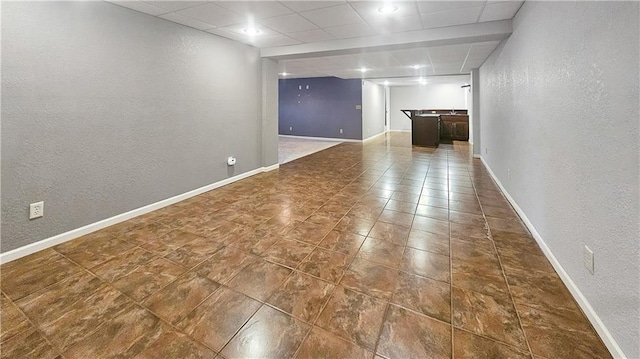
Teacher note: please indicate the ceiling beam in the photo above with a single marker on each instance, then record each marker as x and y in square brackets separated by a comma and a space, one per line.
[451, 35]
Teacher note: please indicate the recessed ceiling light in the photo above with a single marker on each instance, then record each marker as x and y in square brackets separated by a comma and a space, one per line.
[387, 9]
[251, 31]
[422, 81]
[363, 70]
[416, 66]
[386, 83]
[284, 73]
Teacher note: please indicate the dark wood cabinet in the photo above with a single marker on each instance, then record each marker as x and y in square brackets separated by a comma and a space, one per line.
[425, 130]
[454, 127]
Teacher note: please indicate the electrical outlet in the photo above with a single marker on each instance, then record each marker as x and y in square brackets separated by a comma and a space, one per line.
[340, 130]
[36, 210]
[290, 128]
[587, 259]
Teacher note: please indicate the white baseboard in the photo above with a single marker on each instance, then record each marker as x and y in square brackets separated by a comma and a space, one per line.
[475, 155]
[399, 130]
[374, 136]
[593, 317]
[79, 232]
[321, 138]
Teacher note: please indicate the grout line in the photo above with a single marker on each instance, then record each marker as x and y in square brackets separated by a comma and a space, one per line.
[504, 275]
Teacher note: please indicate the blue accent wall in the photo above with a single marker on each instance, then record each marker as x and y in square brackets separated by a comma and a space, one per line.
[320, 107]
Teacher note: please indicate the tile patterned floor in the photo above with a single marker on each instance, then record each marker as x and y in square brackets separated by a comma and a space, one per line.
[357, 251]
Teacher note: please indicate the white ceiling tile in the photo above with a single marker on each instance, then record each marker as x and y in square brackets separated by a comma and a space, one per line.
[175, 5]
[394, 24]
[300, 6]
[332, 16]
[311, 35]
[239, 29]
[187, 21]
[351, 30]
[460, 49]
[289, 23]
[230, 35]
[275, 40]
[369, 10]
[500, 11]
[212, 14]
[255, 9]
[141, 7]
[450, 18]
[439, 6]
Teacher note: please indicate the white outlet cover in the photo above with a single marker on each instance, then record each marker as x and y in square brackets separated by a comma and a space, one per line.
[588, 259]
[36, 210]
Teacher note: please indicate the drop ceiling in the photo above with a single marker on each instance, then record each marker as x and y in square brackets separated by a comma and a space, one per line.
[350, 33]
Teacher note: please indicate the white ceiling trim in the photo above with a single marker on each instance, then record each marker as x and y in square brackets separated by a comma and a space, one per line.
[478, 32]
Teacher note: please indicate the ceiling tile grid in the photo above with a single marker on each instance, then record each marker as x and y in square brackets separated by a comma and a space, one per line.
[267, 24]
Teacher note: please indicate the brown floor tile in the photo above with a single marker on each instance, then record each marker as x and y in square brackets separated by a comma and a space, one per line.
[353, 316]
[27, 344]
[195, 252]
[409, 335]
[93, 249]
[143, 231]
[355, 225]
[308, 232]
[541, 290]
[430, 192]
[524, 260]
[507, 225]
[288, 252]
[168, 242]
[516, 242]
[172, 344]
[479, 252]
[560, 335]
[277, 335]
[370, 278]
[400, 206]
[486, 280]
[406, 196]
[430, 242]
[124, 336]
[224, 264]
[469, 231]
[466, 218]
[343, 242]
[302, 296]
[432, 212]
[219, 317]
[325, 264]
[470, 346]
[397, 218]
[177, 299]
[488, 316]
[259, 279]
[499, 211]
[465, 206]
[381, 251]
[123, 264]
[12, 320]
[434, 202]
[71, 309]
[148, 278]
[395, 234]
[322, 344]
[424, 295]
[426, 264]
[34, 272]
[431, 225]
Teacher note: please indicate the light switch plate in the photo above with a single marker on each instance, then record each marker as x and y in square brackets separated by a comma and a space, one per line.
[587, 258]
